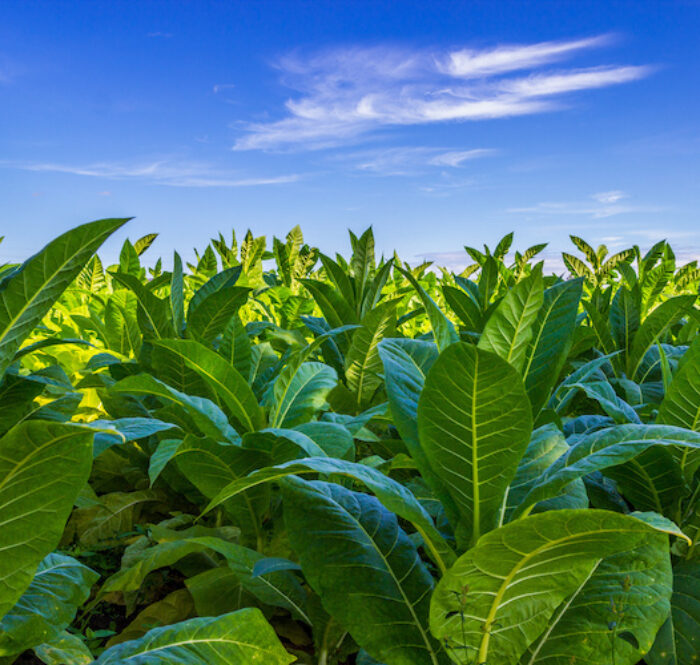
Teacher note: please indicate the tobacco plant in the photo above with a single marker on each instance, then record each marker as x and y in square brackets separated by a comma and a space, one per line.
[280, 456]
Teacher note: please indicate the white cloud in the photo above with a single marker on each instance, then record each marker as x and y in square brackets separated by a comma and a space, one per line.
[344, 94]
[470, 63]
[612, 196]
[410, 160]
[606, 205]
[162, 172]
[220, 87]
[455, 159]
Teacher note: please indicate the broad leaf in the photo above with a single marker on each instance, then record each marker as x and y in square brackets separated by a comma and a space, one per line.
[509, 329]
[500, 596]
[474, 421]
[552, 334]
[603, 449]
[28, 293]
[626, 593]
[365, 569]
[239, 638]
[228, 388]
[678, 641]
[43, 467]
[61, 584]
[299, 393]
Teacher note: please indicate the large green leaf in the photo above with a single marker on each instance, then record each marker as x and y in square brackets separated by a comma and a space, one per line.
[474, 421]
[681, 405]
[61, 584]
[552, 334]
[626, 593]
[211, 466]
[678, 641]
[546, 445]
[207, 416]
[300, 392]
[392, 494]
[363, 365]
[603, 449]
[652, 480]
[28, 293]
[500, 596]
[654, 327]
[154, 314]
[406, 362]
[228, 388]
[279, 588]
[43, 467]
[239, 638]
[365, 569]
[210, 317]
[509, 329]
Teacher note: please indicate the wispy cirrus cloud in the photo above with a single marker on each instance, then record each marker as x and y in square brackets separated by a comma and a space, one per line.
[600, 206]
[411, 160]
[613, 196]
[344, 94]
[162, 172]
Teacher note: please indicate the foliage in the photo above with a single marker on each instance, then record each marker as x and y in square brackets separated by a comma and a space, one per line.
[276, 456]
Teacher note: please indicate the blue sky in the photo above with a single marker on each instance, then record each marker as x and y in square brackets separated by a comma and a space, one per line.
[440, 123]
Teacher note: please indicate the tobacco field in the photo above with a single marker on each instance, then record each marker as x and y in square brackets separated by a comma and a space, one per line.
[271, 455]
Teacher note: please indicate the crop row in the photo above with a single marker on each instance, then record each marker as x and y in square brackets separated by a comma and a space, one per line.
[271, 455]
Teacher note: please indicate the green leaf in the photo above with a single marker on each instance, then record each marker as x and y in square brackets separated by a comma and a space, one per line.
[501, 595]
[365, 569]
[625, 316]
[28, 293]
[212, 314]
[546, 445]
[509, 329]
[122, 430]
[552, 335]
[43, 467]
[406, 362]
[363, 365]
[115, 514]
[468, 312]
[678, 642]
[177, 295]
[129, 263]
[681, 405]
[654, 327]
[629, 589]
[144, 242]
[235, 346]
[211, 466]
[230, 390]
[154, 315]
[239, 638]
[603, 449]
[300, 392]
[394, 496]
[653, 480]
[208, 418]
[603, 393]
[60, 585]
[474, 421]
[443, 329]
[65, 649]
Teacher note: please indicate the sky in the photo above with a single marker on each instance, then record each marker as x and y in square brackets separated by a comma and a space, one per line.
[438, 123]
